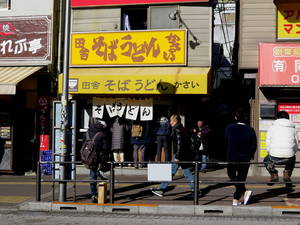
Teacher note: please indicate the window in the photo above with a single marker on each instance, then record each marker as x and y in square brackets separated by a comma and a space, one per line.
[134, 18]
[4, 4]
[160, 17]
[153, 17]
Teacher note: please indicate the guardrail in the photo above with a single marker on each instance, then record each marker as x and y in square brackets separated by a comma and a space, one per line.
[112, 180]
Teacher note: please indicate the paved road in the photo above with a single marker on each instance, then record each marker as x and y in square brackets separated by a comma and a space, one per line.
[117, 219]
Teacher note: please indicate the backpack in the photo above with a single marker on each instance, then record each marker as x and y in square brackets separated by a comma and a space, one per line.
[88, 153]
[136, 130]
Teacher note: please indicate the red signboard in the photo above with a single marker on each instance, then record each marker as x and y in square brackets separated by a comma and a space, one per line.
[25, 39]
[87, 3]
[44, 142]
[279, 64]
[291, 108]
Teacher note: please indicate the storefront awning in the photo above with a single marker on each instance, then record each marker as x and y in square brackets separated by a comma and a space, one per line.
[146, 80]
[11, 76]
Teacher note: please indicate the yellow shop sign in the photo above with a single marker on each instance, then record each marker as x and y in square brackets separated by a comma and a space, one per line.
[163, 47]
[288, 21]
[155, 80]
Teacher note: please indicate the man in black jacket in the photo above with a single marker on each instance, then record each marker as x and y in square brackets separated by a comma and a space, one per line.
[240, 140]
[182, 153]
[97, 127]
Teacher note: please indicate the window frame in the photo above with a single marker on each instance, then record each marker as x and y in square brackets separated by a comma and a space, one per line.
[8, 4]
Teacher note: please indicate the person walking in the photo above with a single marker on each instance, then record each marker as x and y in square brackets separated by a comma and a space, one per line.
[241, 144]
[182, 153]
[162, 133]
[282, 147]
[102, 147]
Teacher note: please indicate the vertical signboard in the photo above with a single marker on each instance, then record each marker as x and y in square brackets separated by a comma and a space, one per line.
[71, 139]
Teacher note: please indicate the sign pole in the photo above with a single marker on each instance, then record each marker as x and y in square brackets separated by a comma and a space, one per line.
[64, 103]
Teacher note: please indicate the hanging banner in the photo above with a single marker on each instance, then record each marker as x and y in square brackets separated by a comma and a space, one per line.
[98, 110]
[120, 106]
[288, 21]
[132, 109]
[111, 108]
[123, 48]
[146, 110]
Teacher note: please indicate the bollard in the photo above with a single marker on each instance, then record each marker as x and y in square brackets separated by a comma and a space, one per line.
[102, 192]
[38, 182]
[111, 183]
[196, 184]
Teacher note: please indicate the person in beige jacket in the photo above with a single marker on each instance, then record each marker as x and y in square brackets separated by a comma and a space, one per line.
[282, 147]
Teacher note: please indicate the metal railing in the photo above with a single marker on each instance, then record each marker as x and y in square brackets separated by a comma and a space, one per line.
[112, 181]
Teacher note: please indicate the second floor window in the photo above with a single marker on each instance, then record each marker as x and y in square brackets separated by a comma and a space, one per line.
[4, 4]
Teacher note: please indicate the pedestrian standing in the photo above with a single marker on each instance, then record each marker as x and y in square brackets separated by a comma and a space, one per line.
[182, 153]
[118, 131]
[200, 142]
[162, 133]
[241, 144]
[140, 139]
[282, 147]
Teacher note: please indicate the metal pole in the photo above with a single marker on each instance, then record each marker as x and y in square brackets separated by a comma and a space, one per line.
[38, 182]
[111, 183]
[64, 102]
[196, 184]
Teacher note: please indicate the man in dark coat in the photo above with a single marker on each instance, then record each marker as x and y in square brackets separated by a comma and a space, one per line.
[182, 153]
[241, 143]
[97, 127]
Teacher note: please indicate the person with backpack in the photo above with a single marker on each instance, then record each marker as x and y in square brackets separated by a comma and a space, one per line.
[98, 153]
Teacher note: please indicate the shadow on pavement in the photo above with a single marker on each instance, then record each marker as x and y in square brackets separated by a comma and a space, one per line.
[271, 193]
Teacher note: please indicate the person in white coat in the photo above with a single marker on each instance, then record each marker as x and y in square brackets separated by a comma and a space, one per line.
[282, 147]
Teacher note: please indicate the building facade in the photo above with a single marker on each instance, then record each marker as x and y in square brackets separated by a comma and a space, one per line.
[140, 60]
[268, 46]
[26, 80]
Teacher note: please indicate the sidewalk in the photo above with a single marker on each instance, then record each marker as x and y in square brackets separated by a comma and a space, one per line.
[19, 191]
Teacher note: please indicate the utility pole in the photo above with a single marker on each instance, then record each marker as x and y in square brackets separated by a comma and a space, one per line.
[64, 101]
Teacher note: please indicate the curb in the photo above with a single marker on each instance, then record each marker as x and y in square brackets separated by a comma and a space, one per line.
[141, 209]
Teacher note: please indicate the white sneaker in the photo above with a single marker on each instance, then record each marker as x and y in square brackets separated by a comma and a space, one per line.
[236, 202]
[247, 196]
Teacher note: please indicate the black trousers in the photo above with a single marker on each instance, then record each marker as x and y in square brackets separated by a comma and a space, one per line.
[238, 172]
[162, 141]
